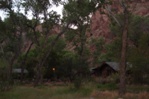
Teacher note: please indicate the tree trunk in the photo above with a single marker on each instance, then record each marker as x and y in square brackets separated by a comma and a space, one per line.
[24, 62]
[38, 74]
[9, 73]
[122, 87]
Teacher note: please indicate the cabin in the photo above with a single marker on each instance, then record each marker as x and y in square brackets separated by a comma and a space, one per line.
[17, 73]
[107, 68]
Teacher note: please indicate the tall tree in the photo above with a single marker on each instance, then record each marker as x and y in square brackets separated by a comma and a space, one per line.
[122, 89]
[78, 14]
[138, 52]
[37, 8]
[124, 32]
[13, 34]
[49, 21]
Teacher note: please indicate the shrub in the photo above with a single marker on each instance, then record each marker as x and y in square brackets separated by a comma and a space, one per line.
[108, 86]
[4, 83]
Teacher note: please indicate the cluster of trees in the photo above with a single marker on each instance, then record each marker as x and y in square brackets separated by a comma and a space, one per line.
[137, 46]
[48, 55]
[44, 51]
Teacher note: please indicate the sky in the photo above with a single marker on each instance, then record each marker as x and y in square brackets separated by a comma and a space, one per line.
[58, 9]
[2, 14]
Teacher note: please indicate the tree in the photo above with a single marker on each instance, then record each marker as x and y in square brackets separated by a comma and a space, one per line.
[12, 39]
[138, 50]
[55, 58]
[50, 19]
[22, 25]
[122, 88]
[39, 38]
[124, 31]
[3, 62]
[98, 47]
[79, 18]
[135, 34]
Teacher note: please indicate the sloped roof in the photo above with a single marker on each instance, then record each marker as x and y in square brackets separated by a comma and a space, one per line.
[114, 65]
[18, 70]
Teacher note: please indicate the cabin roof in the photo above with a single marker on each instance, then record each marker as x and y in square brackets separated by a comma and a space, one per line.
[113, 65]
[18, 70]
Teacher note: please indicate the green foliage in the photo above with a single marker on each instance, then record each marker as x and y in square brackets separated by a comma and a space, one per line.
[54, 92]
[11, 43]
[138, 88]
[114, 78]
[65, 92]
[81, 72]
[5, 4]
[98, 47]
[113, 50]
[31, 62]
[3, 63]
[67, 62]
[138, 54]
[16, 30]
[54, 58]
[36, 6]
[79, 17]
[52, 61]
[2, 30]
[60, 43]
[4, 84]
[108, 86]
[81, 9]
[86, 8]
[138, 27]
[77, 82]
[138, 46]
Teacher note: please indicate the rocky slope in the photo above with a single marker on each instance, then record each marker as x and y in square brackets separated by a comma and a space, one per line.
[100, 21]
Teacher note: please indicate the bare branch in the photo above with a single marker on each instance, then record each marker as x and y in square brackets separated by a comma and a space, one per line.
[111, 14]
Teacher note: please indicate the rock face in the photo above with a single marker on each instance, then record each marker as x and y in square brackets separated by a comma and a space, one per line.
[100, 22]
[27, 42]
[100, 25]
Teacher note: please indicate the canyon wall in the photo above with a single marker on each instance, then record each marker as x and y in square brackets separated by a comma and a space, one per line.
[100, 21]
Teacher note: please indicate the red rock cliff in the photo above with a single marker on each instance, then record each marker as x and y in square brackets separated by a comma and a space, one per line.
[100, 22]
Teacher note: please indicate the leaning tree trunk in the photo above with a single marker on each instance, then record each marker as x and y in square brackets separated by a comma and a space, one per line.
[39, 76]
[122, 87]
[24, 62]
[9, 72]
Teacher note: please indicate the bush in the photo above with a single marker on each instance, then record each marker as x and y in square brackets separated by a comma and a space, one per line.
[108, 86]
[114, 78]
[4, 83]
[77, 82]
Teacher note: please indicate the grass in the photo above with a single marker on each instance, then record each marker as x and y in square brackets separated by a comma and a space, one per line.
[138, 88]
[108, 86]
[45, 92]
[88, 91]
